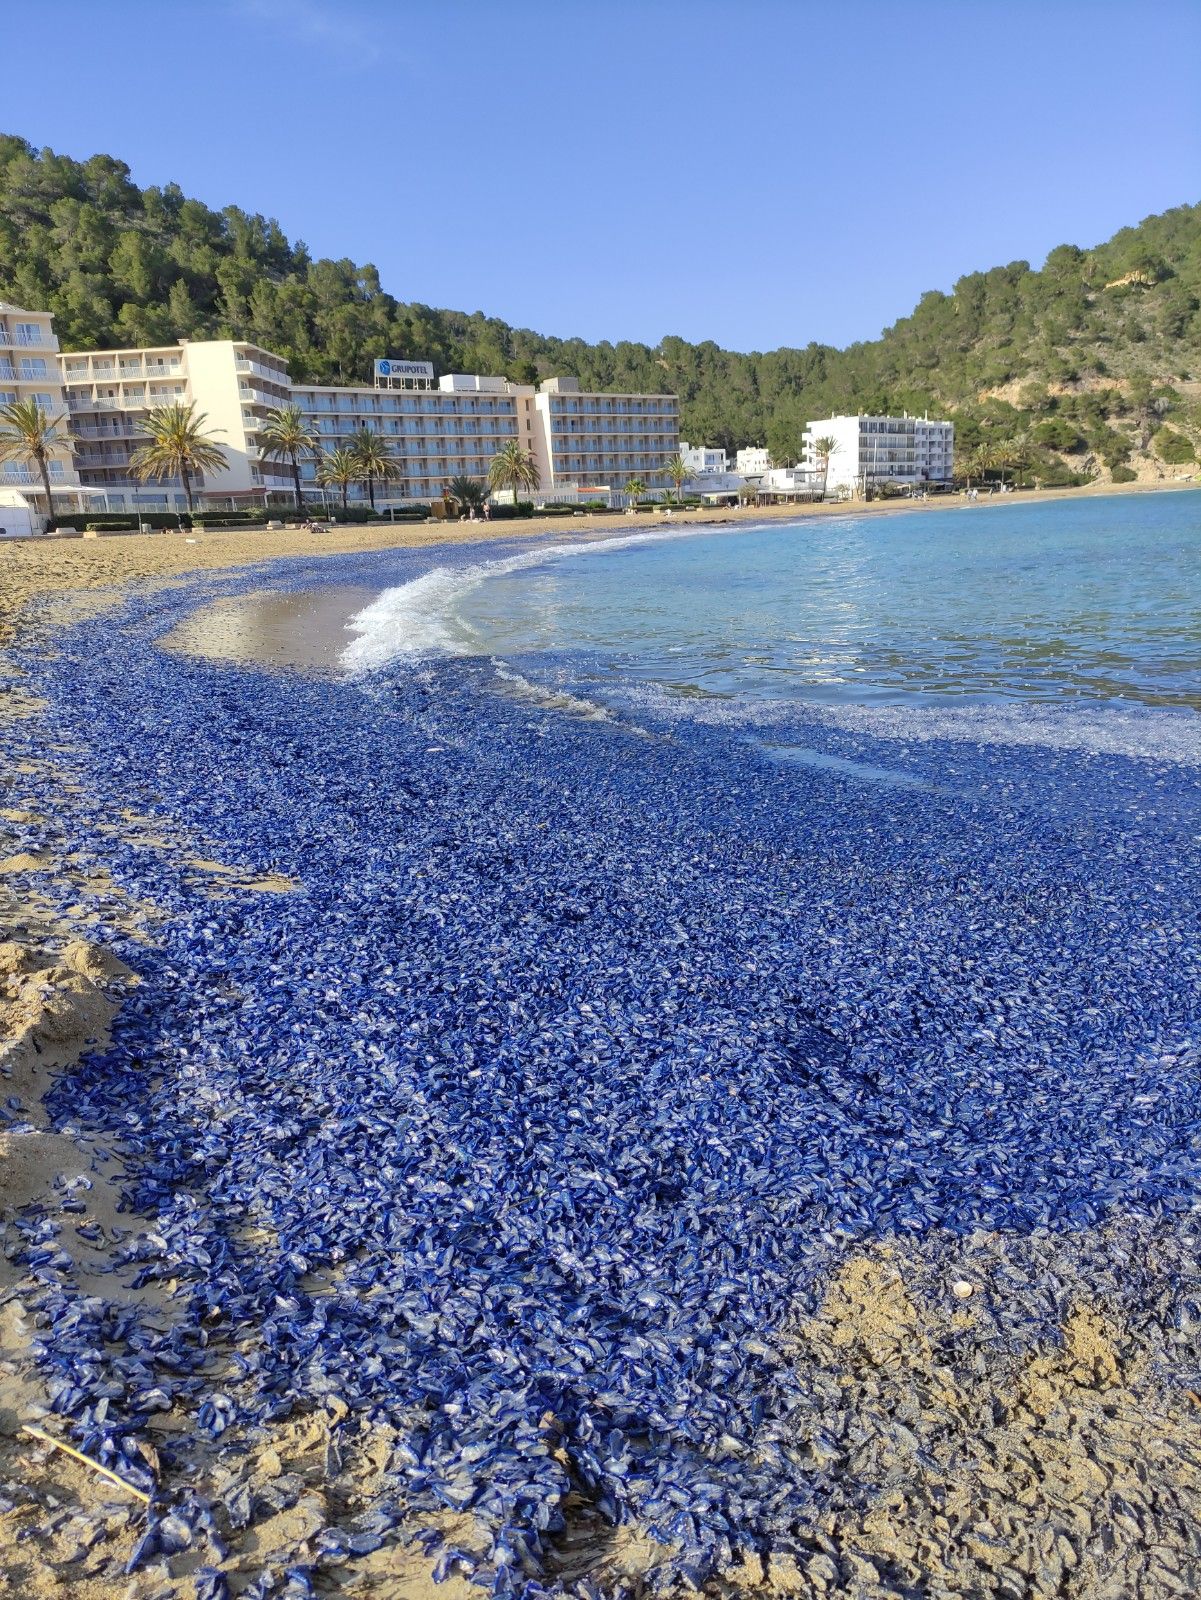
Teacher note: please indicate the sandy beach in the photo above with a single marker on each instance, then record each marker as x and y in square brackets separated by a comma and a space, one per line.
[994, 1457]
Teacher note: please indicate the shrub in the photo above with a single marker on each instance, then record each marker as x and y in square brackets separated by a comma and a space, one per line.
[523, 508]
[97, 521]
[1056, 434]
[1123, 474]
[228, 521]
[1173, 448]
[110, 525]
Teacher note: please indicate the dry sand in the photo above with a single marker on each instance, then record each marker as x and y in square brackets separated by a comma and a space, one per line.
[991, 1469]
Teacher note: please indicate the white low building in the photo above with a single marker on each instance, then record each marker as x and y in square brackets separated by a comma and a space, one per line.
[716, 485]
[866, 452]
[701, 459]
[786, 483]
[752, 461]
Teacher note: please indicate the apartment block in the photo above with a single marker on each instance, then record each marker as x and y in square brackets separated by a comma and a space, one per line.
[868, 451]
[29, 370]
[752, 461]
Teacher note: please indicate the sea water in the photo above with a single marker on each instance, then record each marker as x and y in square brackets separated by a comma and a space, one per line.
[1092, 601]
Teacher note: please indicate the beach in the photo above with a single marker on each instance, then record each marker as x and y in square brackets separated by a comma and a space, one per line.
[737, 1246]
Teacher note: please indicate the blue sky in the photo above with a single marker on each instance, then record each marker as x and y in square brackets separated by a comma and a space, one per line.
[755, 173]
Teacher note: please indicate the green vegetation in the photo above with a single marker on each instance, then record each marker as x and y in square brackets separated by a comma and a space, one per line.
[1173, 448]
[338, 470]
[178, 447]
[374, 461]
[513, 468]
[469, 494]
[677, 472]
[1104, 343]
[27, 433]
[285, 436]
[823, 448]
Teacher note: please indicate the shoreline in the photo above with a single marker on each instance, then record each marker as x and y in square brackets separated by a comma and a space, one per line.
[39, 568]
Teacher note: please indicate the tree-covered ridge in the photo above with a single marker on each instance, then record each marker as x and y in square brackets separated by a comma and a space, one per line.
[1094, 356]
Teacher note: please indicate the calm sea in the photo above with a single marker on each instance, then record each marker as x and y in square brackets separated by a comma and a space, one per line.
[1097, 599]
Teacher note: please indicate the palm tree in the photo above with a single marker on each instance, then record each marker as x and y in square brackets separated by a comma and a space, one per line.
[676, 471]
[823, 449]
[178, 446]
[285, 436]
[634, 488]
[338, 470]
[984, 458]
[1018, 453]
[514, 468]
[28, 433]
[374, 460]
[467, 493]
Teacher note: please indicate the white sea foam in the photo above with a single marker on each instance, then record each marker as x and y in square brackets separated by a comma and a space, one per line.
[547, 696]
[418, 618]
[1151, 732]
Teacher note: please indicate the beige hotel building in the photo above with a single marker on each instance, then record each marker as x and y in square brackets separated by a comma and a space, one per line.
[585, 445]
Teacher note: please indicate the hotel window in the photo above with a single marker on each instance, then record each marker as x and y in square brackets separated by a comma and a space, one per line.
[28, 333]
[33, 367]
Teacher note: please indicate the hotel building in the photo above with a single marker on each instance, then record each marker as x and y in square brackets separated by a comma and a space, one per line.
[29, 371]
[585, 445]
[233, 385]
[593, 444]
[436, 430]
[869, 451]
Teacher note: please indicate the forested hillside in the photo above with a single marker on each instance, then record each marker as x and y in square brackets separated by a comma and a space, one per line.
[1091, 364]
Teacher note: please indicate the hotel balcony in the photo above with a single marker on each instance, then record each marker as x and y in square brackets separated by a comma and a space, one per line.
[272, 375]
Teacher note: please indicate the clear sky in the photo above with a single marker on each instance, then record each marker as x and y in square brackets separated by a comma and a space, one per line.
[754, 172]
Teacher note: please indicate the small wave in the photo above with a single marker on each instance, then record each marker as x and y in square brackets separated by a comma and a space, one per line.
[418, 619]
[1152, 733]
[540, 694]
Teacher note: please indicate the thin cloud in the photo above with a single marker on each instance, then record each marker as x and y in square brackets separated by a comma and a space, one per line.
[332, 29]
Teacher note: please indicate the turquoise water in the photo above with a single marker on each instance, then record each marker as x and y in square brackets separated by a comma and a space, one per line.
[1099, 599]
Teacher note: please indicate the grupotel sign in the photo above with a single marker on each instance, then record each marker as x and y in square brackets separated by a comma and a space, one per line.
[404, 369]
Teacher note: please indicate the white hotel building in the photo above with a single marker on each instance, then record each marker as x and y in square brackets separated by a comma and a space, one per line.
[869, 451]
[585, 445]
[29, 370]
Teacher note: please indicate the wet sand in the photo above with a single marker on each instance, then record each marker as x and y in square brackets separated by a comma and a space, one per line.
[307, 630]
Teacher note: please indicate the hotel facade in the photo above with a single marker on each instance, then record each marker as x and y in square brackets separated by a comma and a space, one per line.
[870, 451]
[29, 370]
[585, 445]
